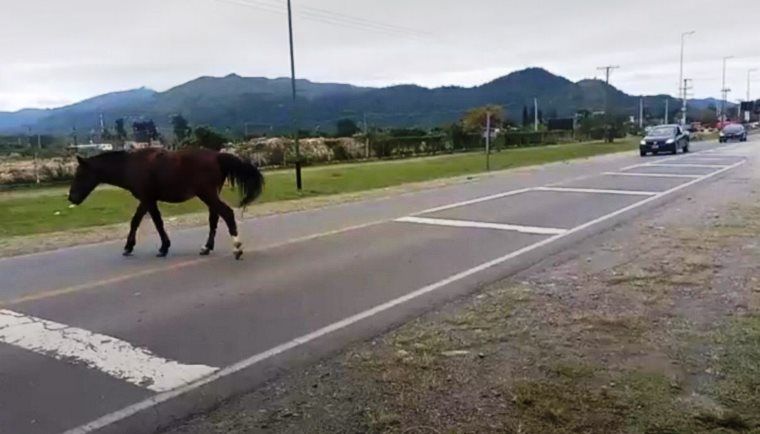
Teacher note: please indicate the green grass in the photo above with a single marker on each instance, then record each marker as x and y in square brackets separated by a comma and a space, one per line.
[42, 213]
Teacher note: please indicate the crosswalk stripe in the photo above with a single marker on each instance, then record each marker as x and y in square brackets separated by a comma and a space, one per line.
[107, 354]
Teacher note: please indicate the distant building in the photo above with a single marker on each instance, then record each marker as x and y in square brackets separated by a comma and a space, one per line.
[93, 147]
[141, 145]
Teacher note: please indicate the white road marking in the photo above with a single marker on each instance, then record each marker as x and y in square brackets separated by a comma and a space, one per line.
[702, 166]
[474, 201]
[104, 353]
[597, 190]
[656, 175]
[482, 225]
[153, 401]
[707, 158]
[729, 153]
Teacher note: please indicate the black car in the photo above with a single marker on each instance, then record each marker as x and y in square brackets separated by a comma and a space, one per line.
[733, 132]
[665, 138]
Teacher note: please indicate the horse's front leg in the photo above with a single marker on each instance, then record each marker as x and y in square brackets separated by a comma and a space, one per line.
[155, 214]
[133, 225]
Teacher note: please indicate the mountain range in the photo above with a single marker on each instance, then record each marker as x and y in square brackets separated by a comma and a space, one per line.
[236, 104]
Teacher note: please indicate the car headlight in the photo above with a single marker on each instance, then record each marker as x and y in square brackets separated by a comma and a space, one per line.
[643, 142]
[670, 141]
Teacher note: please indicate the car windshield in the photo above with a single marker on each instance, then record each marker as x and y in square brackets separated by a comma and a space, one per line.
[662, 131]
[733, 129]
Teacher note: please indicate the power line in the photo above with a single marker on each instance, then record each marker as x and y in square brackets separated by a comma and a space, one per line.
[332, 18]
[341, 16]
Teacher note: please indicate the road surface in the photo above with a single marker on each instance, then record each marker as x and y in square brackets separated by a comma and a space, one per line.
[91, 341]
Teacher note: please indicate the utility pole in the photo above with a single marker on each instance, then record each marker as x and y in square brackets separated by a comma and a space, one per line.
[488, 140]
[724, 91]
[39, 146]
[535, 114]
[749, 83]
[680, 78]
[641, 112]
[366, 138]
[299, 185]
[667, 110]
[607, 70]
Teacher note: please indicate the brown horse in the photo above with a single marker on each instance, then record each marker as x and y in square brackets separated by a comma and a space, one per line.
[154, 175]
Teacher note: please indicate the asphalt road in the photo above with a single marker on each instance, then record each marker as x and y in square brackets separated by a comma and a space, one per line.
[92, 341]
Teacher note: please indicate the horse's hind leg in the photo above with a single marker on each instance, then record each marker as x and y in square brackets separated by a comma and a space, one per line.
[216, 205]
[155, 214]
[133, 225]
[229, 218]
[213, 222]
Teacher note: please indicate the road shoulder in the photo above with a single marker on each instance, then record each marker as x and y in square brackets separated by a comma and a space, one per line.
[651, 326]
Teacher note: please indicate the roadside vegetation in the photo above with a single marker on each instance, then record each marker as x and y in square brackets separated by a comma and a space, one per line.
[46, 210]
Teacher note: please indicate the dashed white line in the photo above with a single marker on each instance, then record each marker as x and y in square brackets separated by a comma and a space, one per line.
[535, 230]
[702, 166]
[104, 353]
[474, 201]
[654, 175]
[597, 191]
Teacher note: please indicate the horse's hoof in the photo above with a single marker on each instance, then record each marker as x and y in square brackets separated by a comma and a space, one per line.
[127, 252]
[238, 254]
[162, 254]
[205, 251]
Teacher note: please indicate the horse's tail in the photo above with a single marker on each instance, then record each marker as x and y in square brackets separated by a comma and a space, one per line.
[244, 175]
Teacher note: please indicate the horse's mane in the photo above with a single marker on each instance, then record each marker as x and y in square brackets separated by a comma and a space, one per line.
[109, 156]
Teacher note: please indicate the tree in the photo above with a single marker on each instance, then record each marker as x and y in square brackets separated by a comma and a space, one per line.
[181, 129]
[475, 120]
[106, 135]
[121, 133]
[206, 137]
[540, 117]
[346, 128]
[144, 131]
[526, 117]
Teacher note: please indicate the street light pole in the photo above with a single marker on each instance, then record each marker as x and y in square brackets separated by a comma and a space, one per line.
[293, 85]
[680, 77]
[724, 90]
[667, 103]
[488, 140]
[749, 83]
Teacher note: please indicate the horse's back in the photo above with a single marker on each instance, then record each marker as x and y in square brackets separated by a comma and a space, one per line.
[177, 176]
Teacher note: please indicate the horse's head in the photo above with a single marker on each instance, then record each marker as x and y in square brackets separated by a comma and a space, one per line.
[85, 180]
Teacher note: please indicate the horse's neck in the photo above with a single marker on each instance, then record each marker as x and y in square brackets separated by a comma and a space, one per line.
[114, 173]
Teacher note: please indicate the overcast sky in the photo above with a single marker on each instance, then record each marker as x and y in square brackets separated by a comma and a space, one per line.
[56, 52]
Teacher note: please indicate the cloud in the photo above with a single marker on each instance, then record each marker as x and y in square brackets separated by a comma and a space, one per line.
[81, 48]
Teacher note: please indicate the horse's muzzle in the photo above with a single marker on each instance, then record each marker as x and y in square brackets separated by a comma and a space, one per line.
[75, 200]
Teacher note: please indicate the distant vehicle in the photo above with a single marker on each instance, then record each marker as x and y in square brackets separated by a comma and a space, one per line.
[733, 132]
[664, 138]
